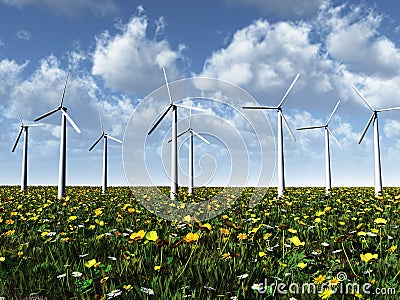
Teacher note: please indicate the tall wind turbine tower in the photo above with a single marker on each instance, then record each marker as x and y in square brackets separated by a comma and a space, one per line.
[281, 167]
[63, 140]
[328, 181]
[192, 133]
[174, 153]
[377, 151]
[24, 170]
[105, 137]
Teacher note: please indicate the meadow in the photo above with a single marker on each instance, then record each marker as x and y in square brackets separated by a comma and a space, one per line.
[94, 246]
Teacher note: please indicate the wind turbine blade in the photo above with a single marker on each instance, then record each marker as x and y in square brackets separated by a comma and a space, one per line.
[47, 114]
[366, 127]
[259, 107]
[114, 139]
[191, 108]
[34, 125]
[97, 141]
[334, 110]
[179, 135]
[166, 82]
[71, 121]
[16, 142]
[200, 137]
[101, 123]
[310, 127]
[389, 109]
[334, 137]
[288, 90]
[362, 98]
[159, 120]
[288, 127]
[19, 115]
[65, 87]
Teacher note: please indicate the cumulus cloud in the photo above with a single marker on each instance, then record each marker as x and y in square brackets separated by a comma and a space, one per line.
[354, 38]
[130, 62]
[69, 8]
[282, 8]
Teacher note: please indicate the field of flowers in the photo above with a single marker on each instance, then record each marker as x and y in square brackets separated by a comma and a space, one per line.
[94, 246]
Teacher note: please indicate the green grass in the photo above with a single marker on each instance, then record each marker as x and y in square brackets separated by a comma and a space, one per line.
[44, 240]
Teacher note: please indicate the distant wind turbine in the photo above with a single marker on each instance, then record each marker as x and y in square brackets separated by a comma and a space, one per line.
[377, 151]
[24, 129]
[174, 153]
[104, 136]
[281, 168]
[63, 140]
[192, 133]
[327, 152]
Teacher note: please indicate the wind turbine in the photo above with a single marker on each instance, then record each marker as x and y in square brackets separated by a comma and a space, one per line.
[174, 153]
[281, 169]
[377, 151]
[327, 152]
[24, 171]
[104, 136]
[63, 140]
[192, 133]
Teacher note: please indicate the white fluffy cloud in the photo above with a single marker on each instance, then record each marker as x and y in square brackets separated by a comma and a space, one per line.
[264, 55]
[130, 62]
[69, 8]
[354, 39]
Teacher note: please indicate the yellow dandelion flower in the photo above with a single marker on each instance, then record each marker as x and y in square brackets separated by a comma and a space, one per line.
[72, 218]
[226, 256]
[368, 257]
[191, 237]
[291, 230]
[320, 279]
[267, 236]
[302, 265]
[380, 221]
[282, 264]
[2, 258]
[334, 281]
[392, 249]
[261, 254]
[137, 235]
[296, 241]
[152, 236]
[242, 236]
[224, 231]
[90, 263]
[327, 293]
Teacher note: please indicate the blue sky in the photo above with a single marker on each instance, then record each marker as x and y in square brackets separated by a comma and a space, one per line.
[114, 51]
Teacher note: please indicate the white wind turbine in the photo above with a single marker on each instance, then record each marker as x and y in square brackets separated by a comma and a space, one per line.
[328, 181]
[104, 136]
[192, 133]
[24, 129]
[174, 153]
[281, 170]
[377, 151]
[63, 140]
